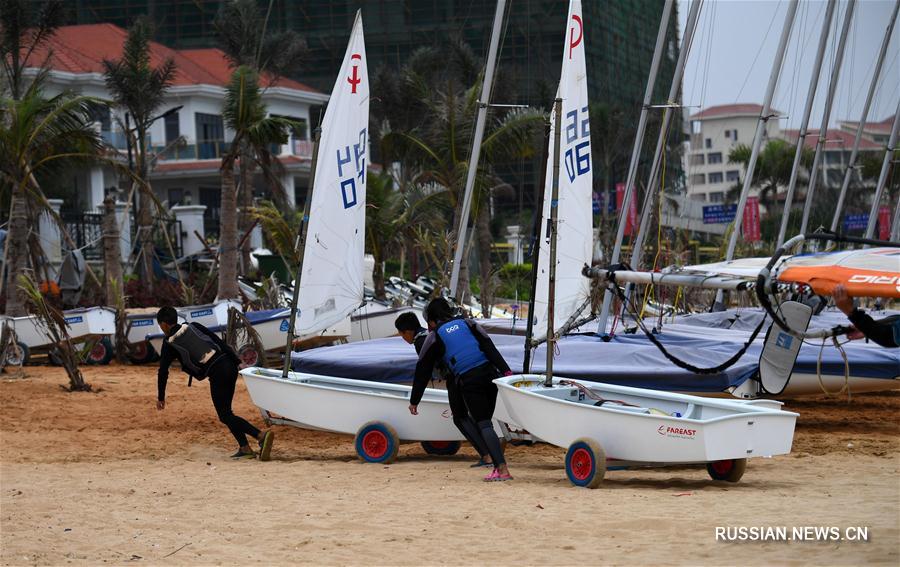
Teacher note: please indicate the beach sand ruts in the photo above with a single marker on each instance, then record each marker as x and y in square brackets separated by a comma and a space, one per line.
[92, 478]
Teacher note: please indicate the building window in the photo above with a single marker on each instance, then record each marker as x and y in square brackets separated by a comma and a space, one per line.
[727, 133]
[173, 130]
[698, 159]
[733, 175]
[698, 179]
[734, 135]
[715, 177]
[211, 198]
[210, 136]
[176, 196]
[714, 157]
[701, 197]
[716, 196]
[708, 143]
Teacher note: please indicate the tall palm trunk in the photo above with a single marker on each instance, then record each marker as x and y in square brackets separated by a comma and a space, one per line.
[245, 195]
[485, 240]
[145, 217]
[112, 257]
[228, 238]
[16, 252]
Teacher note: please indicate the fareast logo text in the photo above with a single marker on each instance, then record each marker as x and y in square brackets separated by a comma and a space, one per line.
[679, 432]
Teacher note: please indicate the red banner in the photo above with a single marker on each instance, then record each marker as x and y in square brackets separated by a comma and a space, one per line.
[751, 228]
[884, 223]
[631, 221]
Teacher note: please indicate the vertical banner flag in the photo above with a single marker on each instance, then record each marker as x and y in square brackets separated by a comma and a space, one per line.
[884, 223]
[751, 227]
[575, 232]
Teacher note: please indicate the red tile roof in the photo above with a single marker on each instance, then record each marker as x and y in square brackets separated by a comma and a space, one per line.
[82, 49]
[836, 139]
[882, 126]
[751, 109]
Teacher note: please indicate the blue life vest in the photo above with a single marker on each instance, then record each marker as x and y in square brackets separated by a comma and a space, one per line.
[461, 349]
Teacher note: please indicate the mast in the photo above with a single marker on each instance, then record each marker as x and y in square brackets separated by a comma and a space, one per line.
[301, 243]
[862, 121]
[882, 177]
[476, 151]
[636, 255]
[804, 123]
[552, 228]
[639, 140]
[895, 226]
[826, 115]
[535, 252]
[764, 118]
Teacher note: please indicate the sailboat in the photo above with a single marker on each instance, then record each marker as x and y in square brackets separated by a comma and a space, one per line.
[636, 427]
[331, 276]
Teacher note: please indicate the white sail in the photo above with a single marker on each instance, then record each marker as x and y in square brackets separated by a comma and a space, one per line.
[331, 281]
[575, 232]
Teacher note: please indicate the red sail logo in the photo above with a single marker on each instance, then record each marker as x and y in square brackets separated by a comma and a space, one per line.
[354, 78]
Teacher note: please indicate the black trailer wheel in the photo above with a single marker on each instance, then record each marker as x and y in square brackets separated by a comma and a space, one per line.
[444, 448]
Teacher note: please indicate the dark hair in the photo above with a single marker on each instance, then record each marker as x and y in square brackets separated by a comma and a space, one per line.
[407, 322]
[167, 314]
[439, 310]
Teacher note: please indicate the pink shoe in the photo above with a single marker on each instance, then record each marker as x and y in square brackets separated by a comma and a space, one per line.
[495, 476]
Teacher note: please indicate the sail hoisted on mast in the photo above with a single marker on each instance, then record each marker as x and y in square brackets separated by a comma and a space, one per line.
[332, 273]
[575, 234]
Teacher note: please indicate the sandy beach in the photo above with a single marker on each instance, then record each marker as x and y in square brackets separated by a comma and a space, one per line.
[103, 478]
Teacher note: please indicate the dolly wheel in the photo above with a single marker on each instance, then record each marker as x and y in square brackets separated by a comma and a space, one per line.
[101, 352]
[17, 354]
[441, 447]
[377, 442]
[730, 470]
[248, 355]
[141, 352]
[585, 463]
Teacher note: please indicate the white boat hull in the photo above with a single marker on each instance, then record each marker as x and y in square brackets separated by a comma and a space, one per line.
[344, 406]
[80, 325]
[711, 429]
[377, 322]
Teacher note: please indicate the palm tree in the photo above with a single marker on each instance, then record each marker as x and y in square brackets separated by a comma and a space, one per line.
[244, 113]
[37, 136]
[440, 149]
[140, 89]
[773, 169]
[25, 26]
[246, 39]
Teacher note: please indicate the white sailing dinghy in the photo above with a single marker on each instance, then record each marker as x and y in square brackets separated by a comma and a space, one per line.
[331, 279]
[595, 421]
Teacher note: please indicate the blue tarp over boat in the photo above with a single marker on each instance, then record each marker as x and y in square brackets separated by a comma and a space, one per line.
[627, 359]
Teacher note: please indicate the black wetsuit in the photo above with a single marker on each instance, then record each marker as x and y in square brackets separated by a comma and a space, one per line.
[476, 386]
[222, 371]
[885, 332]
[461, 418]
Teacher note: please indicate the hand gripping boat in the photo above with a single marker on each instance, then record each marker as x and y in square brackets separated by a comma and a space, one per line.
[637, 427]
[375, 412]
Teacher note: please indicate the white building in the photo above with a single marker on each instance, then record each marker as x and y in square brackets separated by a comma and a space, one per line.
[186, 144]
[714, 132]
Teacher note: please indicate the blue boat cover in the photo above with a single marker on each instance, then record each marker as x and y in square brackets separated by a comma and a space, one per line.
[629, 360]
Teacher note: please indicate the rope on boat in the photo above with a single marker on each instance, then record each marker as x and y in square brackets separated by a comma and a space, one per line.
[687, 365]
[846, 386]
[594, 396]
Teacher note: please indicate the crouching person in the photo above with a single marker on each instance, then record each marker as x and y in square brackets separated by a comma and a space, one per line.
[204, 354]
[472, 362]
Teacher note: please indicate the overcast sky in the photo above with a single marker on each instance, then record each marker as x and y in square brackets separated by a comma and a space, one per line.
[734, 48]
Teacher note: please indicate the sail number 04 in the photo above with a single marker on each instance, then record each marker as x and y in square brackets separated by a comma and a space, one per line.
[358, 159]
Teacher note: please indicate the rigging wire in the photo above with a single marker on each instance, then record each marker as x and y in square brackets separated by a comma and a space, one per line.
[758, 52]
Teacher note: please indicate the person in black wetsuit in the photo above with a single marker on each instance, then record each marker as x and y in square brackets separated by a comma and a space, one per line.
[204, 354]
[413, 333]
[473, 362]
[885, 332]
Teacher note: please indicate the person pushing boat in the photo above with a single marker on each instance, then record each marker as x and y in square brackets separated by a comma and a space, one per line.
[203, 354]
[884, 332]
[413, 333]
[473, 363]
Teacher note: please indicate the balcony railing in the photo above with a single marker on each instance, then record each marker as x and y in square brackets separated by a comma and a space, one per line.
[87, 232]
